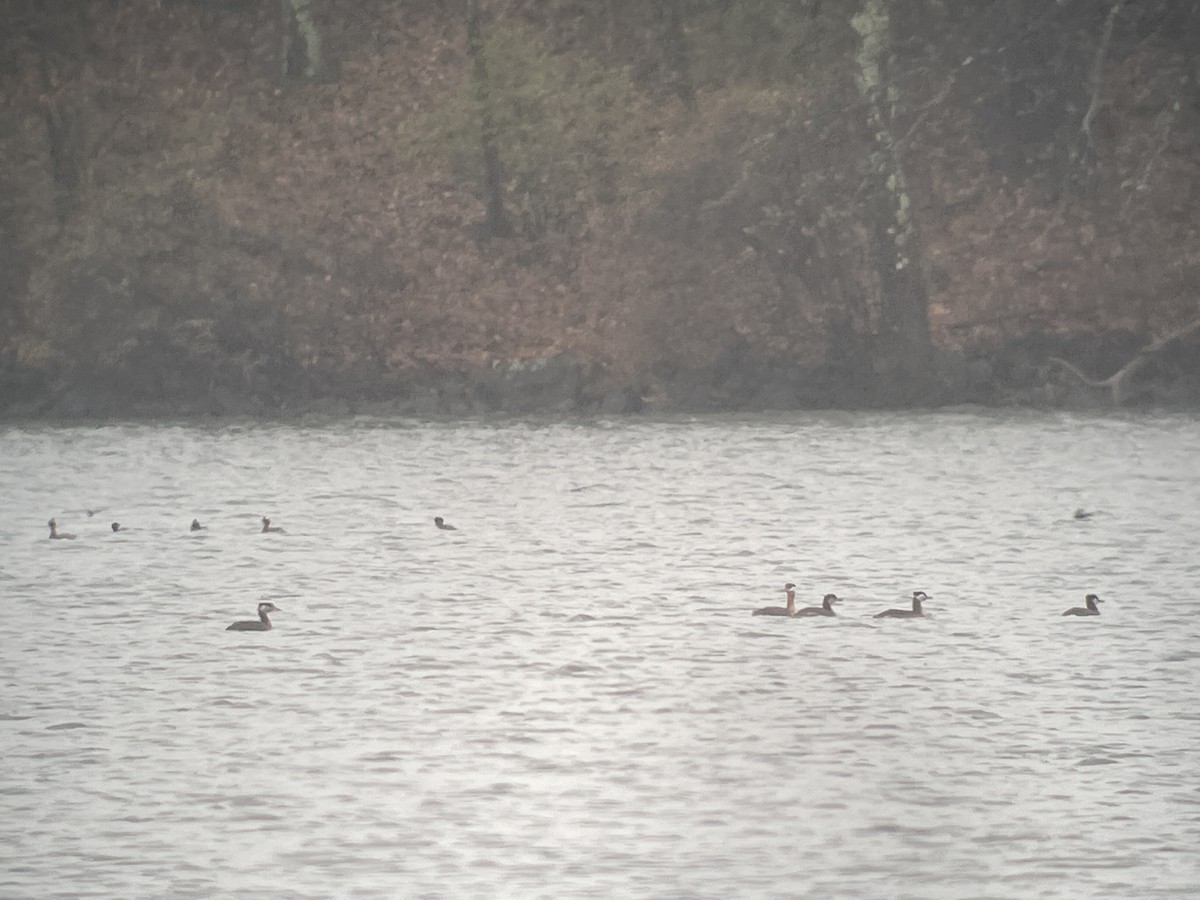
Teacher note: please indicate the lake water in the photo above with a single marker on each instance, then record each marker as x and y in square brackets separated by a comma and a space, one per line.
[568, 696]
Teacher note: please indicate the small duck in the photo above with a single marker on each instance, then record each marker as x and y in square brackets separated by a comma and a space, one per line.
[263, 623]
[916, 612]
[789, 610]
[1082, 513]
[1090, 610]
[56, 535]
[267, 526]
[116, 526]
[825, 609]
[196, 526]
[443, 524]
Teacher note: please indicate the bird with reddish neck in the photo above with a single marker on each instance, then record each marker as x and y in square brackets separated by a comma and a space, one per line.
[789, 610]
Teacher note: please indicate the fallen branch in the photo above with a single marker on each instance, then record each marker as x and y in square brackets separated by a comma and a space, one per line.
[1118, 381]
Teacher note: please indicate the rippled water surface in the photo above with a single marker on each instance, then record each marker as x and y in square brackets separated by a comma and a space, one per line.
[568, 697]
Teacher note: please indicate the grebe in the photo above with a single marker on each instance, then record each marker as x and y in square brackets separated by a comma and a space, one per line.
[1090, 610]
[267, 526]
[916, 612]
[263, 623]
[442, 524]
[56, 535]
[1082, 513]
[825, 609]
[196, 526]
[789, 610]
[116, 526]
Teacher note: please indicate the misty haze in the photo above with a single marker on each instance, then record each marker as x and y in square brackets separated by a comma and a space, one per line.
[630, 448]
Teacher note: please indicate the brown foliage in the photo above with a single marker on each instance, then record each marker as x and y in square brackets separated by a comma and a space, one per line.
[243, 225]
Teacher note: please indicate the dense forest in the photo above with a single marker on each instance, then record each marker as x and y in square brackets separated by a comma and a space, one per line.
[456, 206]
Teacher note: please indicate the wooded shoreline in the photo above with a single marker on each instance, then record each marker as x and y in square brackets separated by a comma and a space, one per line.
[254, 208]
[563, 385]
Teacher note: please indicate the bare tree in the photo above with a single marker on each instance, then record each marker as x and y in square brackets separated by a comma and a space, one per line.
[57, 32]
[674, 50]
[302, 58]
[903, 342]
[496, 222]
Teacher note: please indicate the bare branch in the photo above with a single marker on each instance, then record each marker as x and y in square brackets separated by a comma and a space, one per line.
[1097, 79]
[1118, 381]
[925, 109]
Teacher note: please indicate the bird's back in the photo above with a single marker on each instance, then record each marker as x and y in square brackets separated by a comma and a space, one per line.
[248, 626]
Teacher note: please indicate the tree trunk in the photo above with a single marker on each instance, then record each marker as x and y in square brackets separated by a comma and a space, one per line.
[14, 264]
[674, 50]
[902, 343]
[64, 141]
[301, 42]
[1086, 156]
[496, 222]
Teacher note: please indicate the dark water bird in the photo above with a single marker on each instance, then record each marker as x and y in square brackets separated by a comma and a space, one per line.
[789, 610]
[825, 609]
[443, 524]
[56, 535]
[916, 612]
[116, 526]
[267, 526]
[196, 526]
[263, 623]
[1082, 513]
[1090, 610]
[92, 512]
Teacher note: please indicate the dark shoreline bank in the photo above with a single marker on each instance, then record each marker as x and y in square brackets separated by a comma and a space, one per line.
[1019, 375]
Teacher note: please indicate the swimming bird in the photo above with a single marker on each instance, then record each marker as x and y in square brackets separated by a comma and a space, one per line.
[116, 526]
[262, 624]
[825, 609]
[1090, 610]
[267, 526]
[442, 524]
[789, 610]
[1082, 513]
[56, 535]
[916, 612]
[196, 526]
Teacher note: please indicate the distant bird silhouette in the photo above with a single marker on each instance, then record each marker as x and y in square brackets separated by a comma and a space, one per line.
[267, 526]
[917, 612]
[789, 610]
[1082, 513]
[263, 623]
[56, 535]
[442, 524]
[1090, 610]
[825, 609]
[196, 526]
[116, 526]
